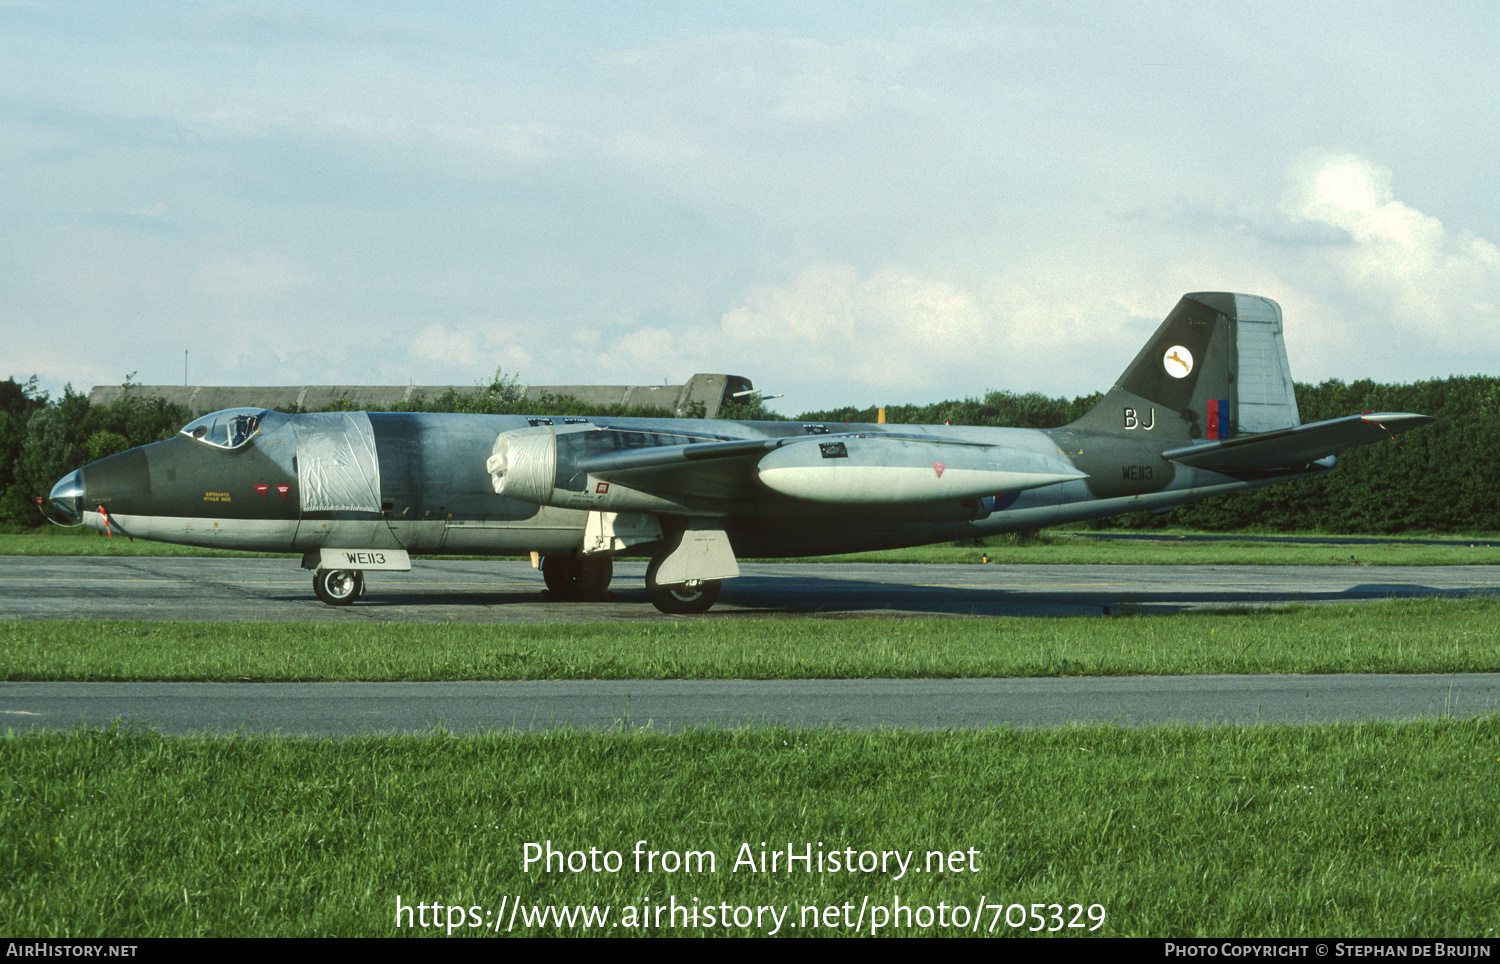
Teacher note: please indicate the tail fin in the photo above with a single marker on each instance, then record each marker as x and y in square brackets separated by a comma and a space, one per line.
[1215, 368]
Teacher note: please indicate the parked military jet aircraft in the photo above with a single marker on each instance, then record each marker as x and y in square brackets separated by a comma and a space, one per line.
[1206, 408]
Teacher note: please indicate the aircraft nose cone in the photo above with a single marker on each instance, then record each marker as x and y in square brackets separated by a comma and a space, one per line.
[120, 484]
[67, 498]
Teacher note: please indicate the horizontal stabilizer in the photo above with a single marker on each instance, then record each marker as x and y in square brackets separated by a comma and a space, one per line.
[1291, 448]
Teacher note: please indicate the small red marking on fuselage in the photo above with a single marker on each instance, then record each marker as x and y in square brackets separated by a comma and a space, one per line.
[938, 467]
[601, 488]
[283, 489]
[261, 490]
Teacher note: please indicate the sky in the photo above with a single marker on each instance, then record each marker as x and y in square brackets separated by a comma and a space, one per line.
[881, 203]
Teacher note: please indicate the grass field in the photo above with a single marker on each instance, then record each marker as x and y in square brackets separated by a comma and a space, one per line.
[1401, 636]
[1370, 830]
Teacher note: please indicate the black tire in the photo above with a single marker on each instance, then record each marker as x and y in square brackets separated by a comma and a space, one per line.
[680, 599]
[578, 577]
[339, 587]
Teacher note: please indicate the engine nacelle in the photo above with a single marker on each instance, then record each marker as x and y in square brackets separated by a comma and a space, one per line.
[523, 464]
[540, 465]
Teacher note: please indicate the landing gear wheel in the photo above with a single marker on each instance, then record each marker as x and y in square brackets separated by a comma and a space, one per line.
[338, 587]
[578, 577]
[681, 599]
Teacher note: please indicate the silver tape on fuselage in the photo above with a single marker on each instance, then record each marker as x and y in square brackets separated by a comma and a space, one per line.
[337, 468]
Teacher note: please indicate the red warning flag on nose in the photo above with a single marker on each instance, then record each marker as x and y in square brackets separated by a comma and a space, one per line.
[104, 514]
[938, 467]
[261, 490]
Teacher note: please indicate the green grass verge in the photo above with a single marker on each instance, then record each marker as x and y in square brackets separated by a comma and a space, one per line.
[1407, 636]
[1371, 829]
[1054, 547]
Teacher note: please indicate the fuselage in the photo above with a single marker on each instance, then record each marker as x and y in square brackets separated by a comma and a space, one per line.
[419, 482]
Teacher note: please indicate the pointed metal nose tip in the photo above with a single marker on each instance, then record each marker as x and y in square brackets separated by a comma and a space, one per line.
[67, 498]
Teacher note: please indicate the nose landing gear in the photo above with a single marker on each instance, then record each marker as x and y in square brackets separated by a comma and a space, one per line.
[339, 587]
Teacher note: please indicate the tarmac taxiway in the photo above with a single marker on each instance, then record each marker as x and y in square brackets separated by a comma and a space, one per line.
[489, 591]
[485, 590]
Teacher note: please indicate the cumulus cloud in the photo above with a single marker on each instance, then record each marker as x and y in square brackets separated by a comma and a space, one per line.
[1425, 277]
[436, 351]
[444, 344]
[837, 333]
[889, 329]
[1377, 288]
[898, 208]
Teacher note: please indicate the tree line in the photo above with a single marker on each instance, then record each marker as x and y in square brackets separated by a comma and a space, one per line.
[1435, 479]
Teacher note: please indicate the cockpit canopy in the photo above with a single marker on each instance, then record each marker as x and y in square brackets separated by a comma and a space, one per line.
[233, 427]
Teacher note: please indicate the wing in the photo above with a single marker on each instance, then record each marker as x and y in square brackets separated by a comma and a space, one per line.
[851, 468]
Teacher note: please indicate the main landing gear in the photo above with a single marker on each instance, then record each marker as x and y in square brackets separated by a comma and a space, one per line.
[587, 577]
[338, 587]
[681, 599]
[578, 577]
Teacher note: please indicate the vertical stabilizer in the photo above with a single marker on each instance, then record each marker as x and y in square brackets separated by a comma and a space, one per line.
[1215, 368]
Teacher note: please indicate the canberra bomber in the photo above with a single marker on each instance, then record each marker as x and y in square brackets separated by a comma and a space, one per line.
[1206, 408]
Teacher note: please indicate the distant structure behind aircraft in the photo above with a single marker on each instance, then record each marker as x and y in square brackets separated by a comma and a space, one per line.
[710, 390]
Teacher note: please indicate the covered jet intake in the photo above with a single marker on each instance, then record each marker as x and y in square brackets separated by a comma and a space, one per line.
[1205, 408]
[523, 464]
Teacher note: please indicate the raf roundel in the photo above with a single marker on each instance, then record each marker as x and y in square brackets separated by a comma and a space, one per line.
[1178, 361]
